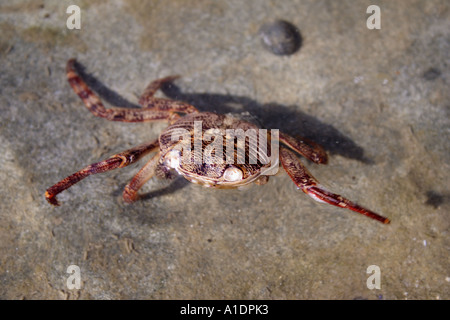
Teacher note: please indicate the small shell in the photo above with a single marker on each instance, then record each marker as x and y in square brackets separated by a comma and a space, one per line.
[280, 37]
[172, 159]
[232, 174]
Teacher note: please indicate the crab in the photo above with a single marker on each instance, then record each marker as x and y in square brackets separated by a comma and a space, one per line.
[173, 156]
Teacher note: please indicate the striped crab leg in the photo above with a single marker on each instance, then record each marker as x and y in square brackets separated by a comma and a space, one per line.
[119, 160]
[153, 108]
[309, 185]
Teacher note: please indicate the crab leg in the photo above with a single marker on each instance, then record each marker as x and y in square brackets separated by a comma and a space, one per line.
[148, 101]
[309, 185]
[147, 171]
[306, 148]
[119, 160]
[154, 86]
[155, 108]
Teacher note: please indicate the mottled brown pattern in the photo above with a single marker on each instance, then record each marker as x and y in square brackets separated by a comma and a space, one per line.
[177, 149]
[296, 170]
[211, 174]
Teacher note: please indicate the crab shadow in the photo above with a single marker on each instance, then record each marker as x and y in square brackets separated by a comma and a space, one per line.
[103, 91]
[289, 119]
[174, 185]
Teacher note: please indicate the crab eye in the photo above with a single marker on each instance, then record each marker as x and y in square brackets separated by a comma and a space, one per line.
[172, 159]
[232, 174]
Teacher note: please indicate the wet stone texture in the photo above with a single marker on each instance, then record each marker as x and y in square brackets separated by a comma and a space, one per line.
[377, 100]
